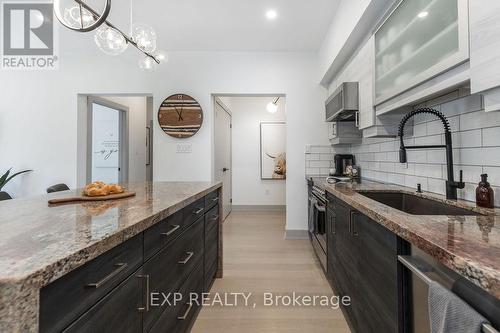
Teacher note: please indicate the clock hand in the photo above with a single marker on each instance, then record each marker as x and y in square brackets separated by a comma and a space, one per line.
[180, 115]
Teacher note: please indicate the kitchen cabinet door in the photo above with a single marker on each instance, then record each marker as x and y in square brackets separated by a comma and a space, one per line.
[345, 271]
[119, 311]
[485, 44]
[377, 265]
[420, 40]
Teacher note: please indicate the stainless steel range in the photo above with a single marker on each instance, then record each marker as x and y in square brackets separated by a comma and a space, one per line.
[317, 221]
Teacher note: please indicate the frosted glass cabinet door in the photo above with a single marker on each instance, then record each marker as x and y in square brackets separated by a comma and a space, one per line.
[419, 40]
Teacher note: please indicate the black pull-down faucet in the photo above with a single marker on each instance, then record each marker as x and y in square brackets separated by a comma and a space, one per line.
[451, 184]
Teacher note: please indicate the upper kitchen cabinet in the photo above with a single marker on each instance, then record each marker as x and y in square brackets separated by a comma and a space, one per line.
[419, 40]
[485, 44]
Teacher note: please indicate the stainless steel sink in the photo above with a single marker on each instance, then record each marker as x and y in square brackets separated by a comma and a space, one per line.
[416, 205]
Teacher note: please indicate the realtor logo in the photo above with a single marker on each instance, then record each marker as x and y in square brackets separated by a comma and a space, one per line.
[28, 36]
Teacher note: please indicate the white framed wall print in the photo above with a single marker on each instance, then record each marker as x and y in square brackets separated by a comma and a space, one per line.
[272, 150]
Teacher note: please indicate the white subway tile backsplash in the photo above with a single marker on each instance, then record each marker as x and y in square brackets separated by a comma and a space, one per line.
[429, 140]
[491, 136]
[420, 130]
[463, 105]
[321, 149]
[467, 139]
[310, 157]
[319, 164]
[476, 142]
[428, 170]
[480, 119]
[493, 175]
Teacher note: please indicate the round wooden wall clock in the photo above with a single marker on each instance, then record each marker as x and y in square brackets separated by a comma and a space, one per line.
[180, 116]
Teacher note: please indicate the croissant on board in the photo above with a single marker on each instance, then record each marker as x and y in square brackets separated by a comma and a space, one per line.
[99, 189]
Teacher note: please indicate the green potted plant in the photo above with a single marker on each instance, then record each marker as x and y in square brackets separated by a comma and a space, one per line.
[5, 178]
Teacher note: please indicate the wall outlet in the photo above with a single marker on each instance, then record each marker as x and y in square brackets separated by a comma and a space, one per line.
[308, 149]
[184, 148]
[267, 191]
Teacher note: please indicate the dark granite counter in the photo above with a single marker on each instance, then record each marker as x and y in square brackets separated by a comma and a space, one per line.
[39, 243]
[469, 245]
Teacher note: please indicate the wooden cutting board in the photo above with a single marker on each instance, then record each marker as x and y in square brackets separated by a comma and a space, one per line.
[86, 198]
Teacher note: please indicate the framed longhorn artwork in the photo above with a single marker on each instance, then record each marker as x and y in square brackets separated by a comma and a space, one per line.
[180, 116]
[272, 150]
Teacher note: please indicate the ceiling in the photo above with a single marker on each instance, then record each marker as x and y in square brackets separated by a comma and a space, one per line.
[231, 25]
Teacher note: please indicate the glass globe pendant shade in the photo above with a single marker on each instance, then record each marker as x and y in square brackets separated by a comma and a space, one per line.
[147, 64]
[144, 36]
[81, 16]
[272, 107]
[110, 41]
[162, 56]
[72, 17]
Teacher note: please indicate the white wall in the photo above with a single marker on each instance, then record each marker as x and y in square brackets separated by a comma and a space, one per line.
[201, 74]
[345, 19]
[247, 186]
[38, 110]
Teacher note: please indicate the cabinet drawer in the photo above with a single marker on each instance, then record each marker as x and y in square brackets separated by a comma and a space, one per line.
[159, 235]
[169, 268]
[180, 316]
[211, 199]
[211, 219]
[194, 211]
[210, 276]
[64, 300]
[125, 300]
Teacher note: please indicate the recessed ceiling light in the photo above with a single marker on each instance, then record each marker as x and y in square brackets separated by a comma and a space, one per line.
[271, 14]
[423, 14]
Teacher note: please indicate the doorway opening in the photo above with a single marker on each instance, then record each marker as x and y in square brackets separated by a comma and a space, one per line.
[249, 152]
[107, 152]
[115, 138]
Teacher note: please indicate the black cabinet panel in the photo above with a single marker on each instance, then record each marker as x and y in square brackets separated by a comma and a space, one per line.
[117, 312]
[179, 316]
[64, 300]
[362, 264]
[111, 293]
[211, 199]
[378, 261]
[159, 235]
[172, 265]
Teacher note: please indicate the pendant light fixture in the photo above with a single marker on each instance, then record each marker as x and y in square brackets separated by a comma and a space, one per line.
[79, 16]
[272, 107]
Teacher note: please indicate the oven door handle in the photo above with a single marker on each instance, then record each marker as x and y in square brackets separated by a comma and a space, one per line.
[321, 208]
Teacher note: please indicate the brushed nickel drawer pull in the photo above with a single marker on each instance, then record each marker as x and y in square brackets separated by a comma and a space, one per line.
[119, 268]
[198, 211]
[215, 217]
[145, 308]
[189, 256]
[215, 199]
[186, 313]
[174, 228]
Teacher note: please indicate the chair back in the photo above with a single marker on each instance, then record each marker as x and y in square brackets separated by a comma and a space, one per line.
[58, 188]
[4, 196]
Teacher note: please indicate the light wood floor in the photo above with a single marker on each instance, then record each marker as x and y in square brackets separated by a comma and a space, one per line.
[258, 259]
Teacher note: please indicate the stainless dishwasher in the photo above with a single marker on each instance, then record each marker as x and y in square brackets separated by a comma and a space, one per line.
[421, 270]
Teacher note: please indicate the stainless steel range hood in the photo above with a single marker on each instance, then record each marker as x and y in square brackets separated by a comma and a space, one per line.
[343, 104]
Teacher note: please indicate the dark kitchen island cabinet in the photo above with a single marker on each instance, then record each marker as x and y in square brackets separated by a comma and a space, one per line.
[112, 293]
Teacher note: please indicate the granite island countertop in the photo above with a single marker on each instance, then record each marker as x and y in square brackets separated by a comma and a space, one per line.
[469, 245]
[40, 243]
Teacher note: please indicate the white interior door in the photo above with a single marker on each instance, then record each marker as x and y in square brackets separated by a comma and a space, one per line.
[108, 144]
[222, 162]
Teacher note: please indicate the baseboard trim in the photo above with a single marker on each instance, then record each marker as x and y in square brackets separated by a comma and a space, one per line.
[258, 208]
[296, 234]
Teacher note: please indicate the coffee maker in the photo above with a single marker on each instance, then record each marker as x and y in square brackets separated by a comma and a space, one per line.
[341, 162]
